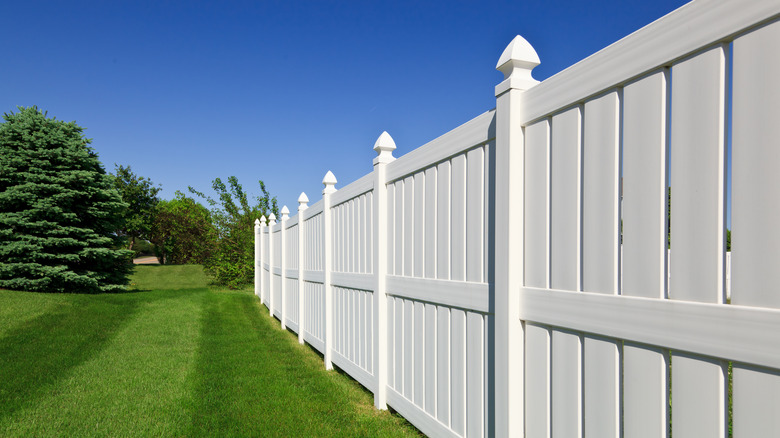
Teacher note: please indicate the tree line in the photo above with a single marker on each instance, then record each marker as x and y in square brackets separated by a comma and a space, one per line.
[67, 225]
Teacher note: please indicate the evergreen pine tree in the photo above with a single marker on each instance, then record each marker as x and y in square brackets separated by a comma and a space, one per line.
[58, 210]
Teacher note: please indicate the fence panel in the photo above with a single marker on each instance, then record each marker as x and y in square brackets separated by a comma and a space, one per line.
[602, 312]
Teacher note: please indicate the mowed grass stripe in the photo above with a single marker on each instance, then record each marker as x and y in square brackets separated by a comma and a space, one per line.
[135, 384]
[173, 360]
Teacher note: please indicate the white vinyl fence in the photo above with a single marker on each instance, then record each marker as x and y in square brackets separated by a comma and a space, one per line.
[493, 282]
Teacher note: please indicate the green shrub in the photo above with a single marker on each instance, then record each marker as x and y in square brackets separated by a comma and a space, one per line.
[232, 261]
[182, 231]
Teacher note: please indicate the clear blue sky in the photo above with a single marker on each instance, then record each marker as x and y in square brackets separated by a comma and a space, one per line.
[283, 91]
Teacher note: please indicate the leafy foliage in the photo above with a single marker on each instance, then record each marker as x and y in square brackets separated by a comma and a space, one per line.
[232, 261]
[58, 209]
[182, 231]
[141, 196]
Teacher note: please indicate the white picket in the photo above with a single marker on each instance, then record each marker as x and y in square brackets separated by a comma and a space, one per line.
[755, 214]
[565, 199]
[537, 381]
[536, 224]
[644, 245]
[475, 213]
[566, 392]
[600, 268]
[698, 152]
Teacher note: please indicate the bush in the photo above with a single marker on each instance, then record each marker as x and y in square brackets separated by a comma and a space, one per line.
[231, 263]
[182, 231]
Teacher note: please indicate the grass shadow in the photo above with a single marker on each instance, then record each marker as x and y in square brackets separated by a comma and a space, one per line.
[41, 352]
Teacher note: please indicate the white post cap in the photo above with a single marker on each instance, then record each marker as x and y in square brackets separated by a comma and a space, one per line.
[384, 148]
[329, 182]
[516, 63]
[303, 200]
[272, 219]
[257, 222]
[285, 213]
[262, 221]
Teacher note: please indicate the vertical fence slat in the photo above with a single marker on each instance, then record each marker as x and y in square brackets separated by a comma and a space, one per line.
[601, 387]
[419, 223]
[697, 220]
[565, 200]
[600, 240]
[391, 346]
[566, 392]
[399, 345]
[644, 187]
[408, 314]
[537, 381]
[392, 219]
[475, 209]
[537, 140]
[756, 213]
[644, 245]
[409, 216]
[458, 218]
[443, 212]
[475, 373]
[430, 359]
[430, 222]
[458, 370]
[419, 354]
[443, 364]
[398, 239]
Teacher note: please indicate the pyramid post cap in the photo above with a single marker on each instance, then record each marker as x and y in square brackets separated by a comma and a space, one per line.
[384, 148]
[262, 220]
[303, 198]
[329, 179]
[257, 222]
[272, 217]
[384, 143]
[518, 55]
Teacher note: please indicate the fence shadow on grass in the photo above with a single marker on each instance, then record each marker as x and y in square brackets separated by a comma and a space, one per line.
[42, 351]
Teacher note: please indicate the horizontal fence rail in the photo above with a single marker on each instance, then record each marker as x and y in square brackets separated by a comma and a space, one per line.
[559, 266]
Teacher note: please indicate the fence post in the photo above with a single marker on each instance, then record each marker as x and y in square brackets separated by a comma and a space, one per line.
[302, 201]
[327, 234]
[516, 63]
[384, 148]
[283, 264]
[258, 268]
[263, 231]
[271, 223]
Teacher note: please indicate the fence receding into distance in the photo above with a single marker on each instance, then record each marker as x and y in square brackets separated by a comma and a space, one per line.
[514, 277]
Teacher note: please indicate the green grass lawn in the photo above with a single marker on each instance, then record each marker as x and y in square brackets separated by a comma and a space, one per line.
[173, 358]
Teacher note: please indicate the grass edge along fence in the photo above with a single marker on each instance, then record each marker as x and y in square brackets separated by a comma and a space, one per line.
[511, 277]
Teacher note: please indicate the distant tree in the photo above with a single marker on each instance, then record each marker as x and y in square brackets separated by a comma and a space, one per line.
[58, 209]
[182, 231]
[141, 196]
[232, 261]
[728, 240]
